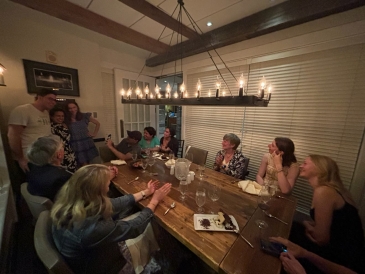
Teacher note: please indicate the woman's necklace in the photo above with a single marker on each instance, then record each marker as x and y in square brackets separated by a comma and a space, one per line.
[228, 157]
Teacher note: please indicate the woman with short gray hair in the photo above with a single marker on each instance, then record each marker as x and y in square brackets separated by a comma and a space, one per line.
[229, 160]
[46, 175]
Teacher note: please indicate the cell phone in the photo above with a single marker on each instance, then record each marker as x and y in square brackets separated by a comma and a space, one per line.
[272, 248]
[108, 137]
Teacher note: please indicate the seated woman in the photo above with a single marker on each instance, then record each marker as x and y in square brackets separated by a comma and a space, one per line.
[85, 229]
[149, 140]
[46, 175]
[168, 142]
[229, 160]
[279, 167]
[335, 231]
[58, 127]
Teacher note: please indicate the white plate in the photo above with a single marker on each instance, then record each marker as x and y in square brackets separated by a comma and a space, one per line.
[213, 226]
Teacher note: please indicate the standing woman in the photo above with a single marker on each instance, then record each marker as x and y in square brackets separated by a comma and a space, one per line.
[335, 232]
[279, 167]
[149, 140]
[229, 160]
[168, 142]
[59, 128]
[81, 139]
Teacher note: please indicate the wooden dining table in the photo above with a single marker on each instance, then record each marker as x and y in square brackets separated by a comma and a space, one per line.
[223, 251]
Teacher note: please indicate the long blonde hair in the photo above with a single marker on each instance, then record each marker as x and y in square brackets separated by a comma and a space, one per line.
[328, 174]
[84, 195]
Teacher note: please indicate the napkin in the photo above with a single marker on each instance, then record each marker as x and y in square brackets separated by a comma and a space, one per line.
[118, 162]
[250, 187]
[170, 162]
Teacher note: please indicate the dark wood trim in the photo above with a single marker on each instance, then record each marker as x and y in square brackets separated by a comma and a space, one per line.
[284, 15]
[75, 14]
[159, 16]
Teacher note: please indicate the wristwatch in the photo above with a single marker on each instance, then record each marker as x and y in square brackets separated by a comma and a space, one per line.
[143, 195]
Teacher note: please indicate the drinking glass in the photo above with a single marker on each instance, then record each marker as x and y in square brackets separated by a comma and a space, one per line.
[189, 156]
[273, 189]
[200, 199]
[214, 192]
[201, 170]
[134, 156]
[171, 155]
[183, 188]
[144, 165]
[151, 162]
[181, 170]
[263, 203]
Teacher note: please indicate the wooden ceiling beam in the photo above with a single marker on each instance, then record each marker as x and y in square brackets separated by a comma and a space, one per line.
[278, 17]
[75, 14]
[159, 16]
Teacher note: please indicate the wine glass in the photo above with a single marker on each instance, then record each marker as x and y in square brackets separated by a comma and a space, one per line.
[214, 192]
[263, 203]
[144, 165]
[189, 156]
[201, 170]
[134, 156]
[151, 162]
[200, 199]
[183, 188]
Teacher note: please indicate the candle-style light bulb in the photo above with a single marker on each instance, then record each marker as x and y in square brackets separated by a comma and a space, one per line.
[182, 89]
[241, 82]
[138, 92]
[146, 91]
[209, 93]
[198, 87]
[129, 93]
[157, 89]
[159, 95]
[175, 94]
[262, 88]
[218, 86]
[269, 92]
[168, 90]
[224, 93]
[122, 92]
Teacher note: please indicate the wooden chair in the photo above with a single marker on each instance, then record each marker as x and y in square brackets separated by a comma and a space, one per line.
[199, 155]
[180, 152]
[245, 171]
[45, 247]
[106, 155]
[36, 204]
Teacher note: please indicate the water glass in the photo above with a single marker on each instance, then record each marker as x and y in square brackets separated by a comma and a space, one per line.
[134, 156]
[189, 156]
[144, 165]
[264, 198]
[183, 188]
[200, 199]
[171, 155]
[214, 192]
[201, 170]
[273, 189]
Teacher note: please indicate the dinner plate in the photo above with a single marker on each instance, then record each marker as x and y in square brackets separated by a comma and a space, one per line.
[213, 226]
[131, 164]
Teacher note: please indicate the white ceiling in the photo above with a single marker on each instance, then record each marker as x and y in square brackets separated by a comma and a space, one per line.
[219, 12]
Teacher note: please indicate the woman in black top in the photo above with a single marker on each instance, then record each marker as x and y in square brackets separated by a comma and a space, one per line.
[168, 142]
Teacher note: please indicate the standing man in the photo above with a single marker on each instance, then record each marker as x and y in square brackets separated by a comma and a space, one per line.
[29, 122]
[127, 145]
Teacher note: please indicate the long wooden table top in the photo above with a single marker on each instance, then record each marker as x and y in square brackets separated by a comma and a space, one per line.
[214, 248]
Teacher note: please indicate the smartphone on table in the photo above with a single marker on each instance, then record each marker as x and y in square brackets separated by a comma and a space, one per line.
[272, 248]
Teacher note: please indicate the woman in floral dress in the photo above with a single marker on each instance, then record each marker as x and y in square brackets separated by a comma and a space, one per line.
[59, 128]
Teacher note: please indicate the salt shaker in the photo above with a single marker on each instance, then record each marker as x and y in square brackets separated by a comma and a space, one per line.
[188, 178]
[172, 170]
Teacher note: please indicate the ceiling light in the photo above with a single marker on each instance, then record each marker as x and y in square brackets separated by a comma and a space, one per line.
[209, 24]
[222, 96]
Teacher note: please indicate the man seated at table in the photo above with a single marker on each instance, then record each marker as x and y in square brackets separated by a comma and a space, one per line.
[46, 175]
[127, 146]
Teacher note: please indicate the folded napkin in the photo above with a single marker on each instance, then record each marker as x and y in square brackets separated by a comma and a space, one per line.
[118, 162]
[250, 187]
[170, 162]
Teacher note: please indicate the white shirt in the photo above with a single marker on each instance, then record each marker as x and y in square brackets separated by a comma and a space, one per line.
[37, 124]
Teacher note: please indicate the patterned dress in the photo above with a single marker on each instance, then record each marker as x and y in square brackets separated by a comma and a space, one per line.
[82, 144]
[69, 160]
[271, 175]
[235, 166]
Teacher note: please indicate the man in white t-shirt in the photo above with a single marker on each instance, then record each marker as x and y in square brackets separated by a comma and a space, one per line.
[29, 122]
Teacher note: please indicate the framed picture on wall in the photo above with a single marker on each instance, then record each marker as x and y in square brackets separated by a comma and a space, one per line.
[42, 75]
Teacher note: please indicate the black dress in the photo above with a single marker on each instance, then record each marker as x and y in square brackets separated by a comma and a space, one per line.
[173, 144]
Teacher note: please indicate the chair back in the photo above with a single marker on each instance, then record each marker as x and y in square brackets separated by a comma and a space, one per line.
[199, 155]
[45, 247]
[180, 152]
[245, 171]
[36, 204]
[106, 155]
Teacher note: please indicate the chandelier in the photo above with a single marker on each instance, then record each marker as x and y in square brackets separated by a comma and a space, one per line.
[218, 98]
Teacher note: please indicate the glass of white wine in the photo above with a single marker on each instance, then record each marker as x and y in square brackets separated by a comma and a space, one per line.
[144, 165]
[200, 198]
[263, 203]
[183, 188]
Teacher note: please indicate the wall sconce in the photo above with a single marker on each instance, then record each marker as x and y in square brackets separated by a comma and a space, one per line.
[2, 80]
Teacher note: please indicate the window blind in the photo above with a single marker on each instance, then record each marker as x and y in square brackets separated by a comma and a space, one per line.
[317, 101]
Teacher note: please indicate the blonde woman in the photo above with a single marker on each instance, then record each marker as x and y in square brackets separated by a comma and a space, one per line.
[335, 231]
[84, 227]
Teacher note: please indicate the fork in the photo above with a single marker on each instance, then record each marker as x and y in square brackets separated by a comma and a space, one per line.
[236, 230]
[272, 216]
[171, 206]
